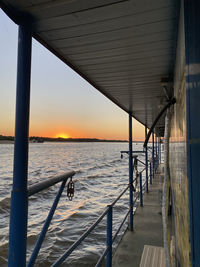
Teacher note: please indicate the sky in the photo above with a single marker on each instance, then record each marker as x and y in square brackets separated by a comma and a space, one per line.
[62, 103]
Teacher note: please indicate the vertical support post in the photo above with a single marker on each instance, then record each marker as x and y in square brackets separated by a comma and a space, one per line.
[130, 173]
[147, 165]
[156, 156]
[150, 172]
[153, 154]
[109, 237]
[160, 150]
[192, 52]
[141, 193]
[19, 196]
[157, 151]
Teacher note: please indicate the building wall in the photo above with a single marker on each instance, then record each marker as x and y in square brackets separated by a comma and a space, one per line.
[178, 155]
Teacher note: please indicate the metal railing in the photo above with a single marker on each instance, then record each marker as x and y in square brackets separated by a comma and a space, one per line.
[36, 188]
[108, 212]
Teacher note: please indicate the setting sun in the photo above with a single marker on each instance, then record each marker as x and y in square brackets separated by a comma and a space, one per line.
[62, 135]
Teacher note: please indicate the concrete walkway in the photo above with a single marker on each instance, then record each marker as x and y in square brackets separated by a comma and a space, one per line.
[147, 227]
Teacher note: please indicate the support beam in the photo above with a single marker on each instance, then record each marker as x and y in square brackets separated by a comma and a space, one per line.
[19, 195]
[147, 163]
[130, 173]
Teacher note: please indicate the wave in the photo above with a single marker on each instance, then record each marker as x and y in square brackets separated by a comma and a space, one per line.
[5, 204]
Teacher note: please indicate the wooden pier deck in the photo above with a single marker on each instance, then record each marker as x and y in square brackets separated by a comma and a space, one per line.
[147, 227]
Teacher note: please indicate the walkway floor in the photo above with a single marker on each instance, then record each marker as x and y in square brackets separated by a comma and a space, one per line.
[147, 227]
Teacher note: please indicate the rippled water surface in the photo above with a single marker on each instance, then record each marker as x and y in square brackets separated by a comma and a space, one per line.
[101, 175]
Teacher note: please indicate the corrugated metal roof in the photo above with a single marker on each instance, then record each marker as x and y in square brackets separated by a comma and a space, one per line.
[123, 48]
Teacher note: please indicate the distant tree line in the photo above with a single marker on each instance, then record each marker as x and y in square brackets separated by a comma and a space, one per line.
[38, 139]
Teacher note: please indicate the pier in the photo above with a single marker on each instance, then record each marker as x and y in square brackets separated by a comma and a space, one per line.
[147, 227]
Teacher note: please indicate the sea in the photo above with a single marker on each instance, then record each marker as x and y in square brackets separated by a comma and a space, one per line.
[101, 175]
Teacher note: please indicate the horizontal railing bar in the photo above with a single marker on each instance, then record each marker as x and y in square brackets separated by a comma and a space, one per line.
[143, 170]
[115, 201]
[121, 225]
[84, 235]
[35, 188]
[102, 257]
[141, 162]
[135, 151]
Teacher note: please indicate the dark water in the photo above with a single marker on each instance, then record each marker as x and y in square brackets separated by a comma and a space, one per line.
[101, 176]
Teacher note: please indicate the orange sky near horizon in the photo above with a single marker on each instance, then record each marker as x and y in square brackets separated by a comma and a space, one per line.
[116, 130]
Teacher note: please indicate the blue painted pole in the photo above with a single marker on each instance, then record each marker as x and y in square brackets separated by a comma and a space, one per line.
[130, 173]
[150, 172]
[160, 151]
[46, 226]
[153, 154]
[19, 196]
[147, 164]
[192, 82]
[109, 237]
[141, 193]
[158, 154]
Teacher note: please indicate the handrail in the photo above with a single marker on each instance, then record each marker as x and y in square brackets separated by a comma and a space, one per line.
[115, 201]
[141, 162]
[143, 170]
[135, 151]
[84, 235]
[108, 211]
[36, 188]
[117, 232]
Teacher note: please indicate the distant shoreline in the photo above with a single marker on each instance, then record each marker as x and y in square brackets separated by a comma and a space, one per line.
[36, 139]
[6, 141]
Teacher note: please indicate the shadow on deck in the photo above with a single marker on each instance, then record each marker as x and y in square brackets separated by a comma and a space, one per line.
[147, 227]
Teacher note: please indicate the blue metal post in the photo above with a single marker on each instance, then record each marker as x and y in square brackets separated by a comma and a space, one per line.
[141, 193]
[130, 173]
[19, 198]
[153, 154]
[160, 150]
[156, 154]
[46, 226]
[192, 74]
[147, 164]
[150, 172]
[109, 237]
[157, 151]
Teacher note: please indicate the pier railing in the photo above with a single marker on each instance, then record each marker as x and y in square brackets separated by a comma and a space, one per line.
[36, 188]
[108, 212]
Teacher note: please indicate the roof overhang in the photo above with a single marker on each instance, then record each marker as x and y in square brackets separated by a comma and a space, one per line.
[125, 49]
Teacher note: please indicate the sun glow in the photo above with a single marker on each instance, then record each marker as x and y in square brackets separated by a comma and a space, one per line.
[62, 135]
